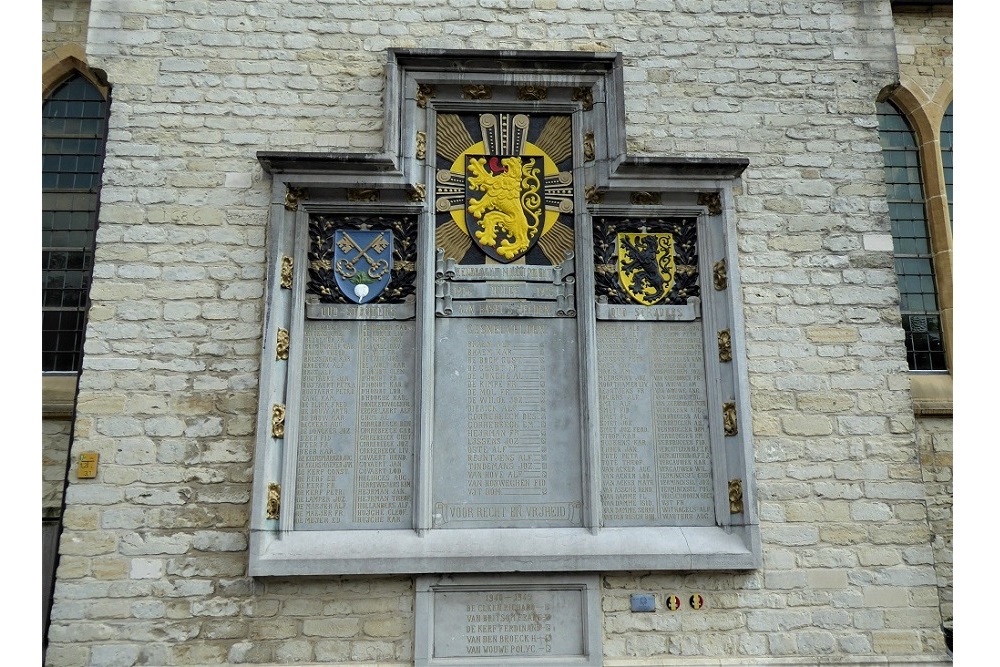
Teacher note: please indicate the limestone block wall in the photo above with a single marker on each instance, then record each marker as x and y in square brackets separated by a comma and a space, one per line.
[63, 22]
[55, 448]
[924, 44]
[153, 567]
[935, 444]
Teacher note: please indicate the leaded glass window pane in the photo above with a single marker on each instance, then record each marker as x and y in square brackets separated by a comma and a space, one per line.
[911, 241]
[947, 136]
[73, 135]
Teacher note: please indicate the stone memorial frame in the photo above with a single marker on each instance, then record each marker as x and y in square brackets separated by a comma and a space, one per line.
[361, 405]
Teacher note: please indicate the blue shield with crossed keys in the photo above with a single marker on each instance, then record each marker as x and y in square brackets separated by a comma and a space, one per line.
[362, 262]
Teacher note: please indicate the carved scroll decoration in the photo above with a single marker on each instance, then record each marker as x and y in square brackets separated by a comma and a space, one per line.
[292, 197]
[286, 271]
[725, 346]
[278, 420]
[719, 276]
[273, 508]
[421, 145]
[729, 418]
[712, 200]
[281, 349]
[736, 496]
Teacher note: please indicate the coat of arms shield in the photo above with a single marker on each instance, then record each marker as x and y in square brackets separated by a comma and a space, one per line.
[362, 261]
[646, 266]
[505, 204]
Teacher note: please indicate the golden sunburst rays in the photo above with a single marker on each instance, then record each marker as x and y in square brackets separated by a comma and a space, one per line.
[455, 241]
[557, 243]
[452, 137]
[556, 138]
[503, 134]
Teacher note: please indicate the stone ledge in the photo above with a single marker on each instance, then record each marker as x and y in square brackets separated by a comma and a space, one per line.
[58, 396]
[932, 394]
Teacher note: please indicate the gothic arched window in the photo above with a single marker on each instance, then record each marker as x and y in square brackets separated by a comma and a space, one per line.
[74, 131]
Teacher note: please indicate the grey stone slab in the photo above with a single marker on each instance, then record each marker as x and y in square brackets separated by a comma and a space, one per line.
[508, 620]
[355, 436]
[372, 311]
[655, 445]
[507, 424]
[634, 312]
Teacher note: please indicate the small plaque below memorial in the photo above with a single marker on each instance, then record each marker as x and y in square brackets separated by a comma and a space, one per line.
[508, 620]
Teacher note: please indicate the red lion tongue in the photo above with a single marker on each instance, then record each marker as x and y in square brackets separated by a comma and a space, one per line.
[495, 165]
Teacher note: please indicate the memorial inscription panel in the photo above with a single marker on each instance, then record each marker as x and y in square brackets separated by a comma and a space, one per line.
[355, 456]
[655, 446]
[506, 424]
[510, 620]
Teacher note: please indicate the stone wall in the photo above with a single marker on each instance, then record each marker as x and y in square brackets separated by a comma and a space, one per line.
[924, 45]
[153, 567]
[934, 441]
[55, 448]
[63, 22]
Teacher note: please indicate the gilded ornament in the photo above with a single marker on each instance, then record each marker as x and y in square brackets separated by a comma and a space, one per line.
[735, 496]
[292, 197]
[589, 153]
[278, 420]
[417, 193]
[729, 418]
[585, 96]
[725, 346]
[719, 275]
[593, 195]
[424, 93]
[421, 145]
[281, 350]
[712, 200]
[532, 93]
[363, 194]
[273, 509]
[645, 198]
[477, 92]
[286, 271]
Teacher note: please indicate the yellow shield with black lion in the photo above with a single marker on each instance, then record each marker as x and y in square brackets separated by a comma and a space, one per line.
[646, 266]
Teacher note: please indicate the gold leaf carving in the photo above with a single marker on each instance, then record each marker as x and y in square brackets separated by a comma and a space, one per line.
[273, 509]
[719, 275]
[712, 200]
[421, 145]
[532, 93]
[593, 195]
[292, 197]
[645, 198]
[278, 420]
[281, 350]
[417, 193]
[585, 96]
[725, 346]
[424, 93]
[286, 271]
[477, 92]
[363, 194]
[729, 418]
[735, 496]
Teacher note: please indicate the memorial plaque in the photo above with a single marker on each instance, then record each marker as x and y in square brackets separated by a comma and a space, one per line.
[655, 446]
[508, 621]
[355, 458]
[507, 424]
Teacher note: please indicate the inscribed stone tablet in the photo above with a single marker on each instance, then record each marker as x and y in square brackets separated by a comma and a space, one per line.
[655, 447]
[506, 424]
[355, 456]
[508, 621]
